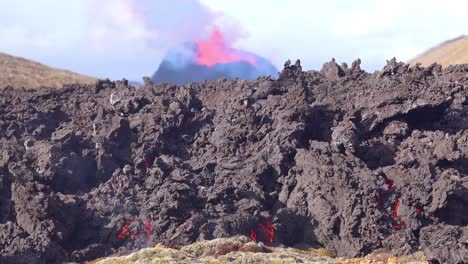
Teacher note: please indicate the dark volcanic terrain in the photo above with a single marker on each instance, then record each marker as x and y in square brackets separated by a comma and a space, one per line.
[340, 158]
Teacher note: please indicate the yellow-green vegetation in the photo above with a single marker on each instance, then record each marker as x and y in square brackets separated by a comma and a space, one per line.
[237, 250]
[19, 72]
[451, 52]
[387, 258]
[319, 252]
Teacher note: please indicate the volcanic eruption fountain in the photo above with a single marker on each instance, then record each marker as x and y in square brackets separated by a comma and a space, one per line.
[210, 59]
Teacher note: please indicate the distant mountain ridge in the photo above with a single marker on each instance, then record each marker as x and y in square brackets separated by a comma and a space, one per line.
[450, 52]
[20, 72]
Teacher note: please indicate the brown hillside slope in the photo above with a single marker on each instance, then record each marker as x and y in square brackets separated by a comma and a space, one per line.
[20, 72]
[454, 51]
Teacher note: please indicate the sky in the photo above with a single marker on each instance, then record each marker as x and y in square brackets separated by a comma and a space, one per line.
[128, 38]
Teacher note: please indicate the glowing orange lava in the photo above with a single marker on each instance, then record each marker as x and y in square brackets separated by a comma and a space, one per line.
[148, 230]
[418, 210]
[390, 185]
[265, 229]
[400, 224]
[215, 50]
[253, 235]
[125, 232]
[394, 215]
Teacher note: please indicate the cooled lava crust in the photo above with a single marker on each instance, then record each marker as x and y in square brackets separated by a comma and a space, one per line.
[341, 158]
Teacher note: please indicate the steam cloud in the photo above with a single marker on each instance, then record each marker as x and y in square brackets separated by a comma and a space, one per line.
[162, 27]
[106, 38]
[189, 37]
[158, 24]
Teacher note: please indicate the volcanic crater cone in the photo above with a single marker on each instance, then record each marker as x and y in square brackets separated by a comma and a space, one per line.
[210, 59]
[340, 159]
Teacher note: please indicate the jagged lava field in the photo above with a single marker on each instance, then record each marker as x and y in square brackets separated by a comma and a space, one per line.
[341, 159]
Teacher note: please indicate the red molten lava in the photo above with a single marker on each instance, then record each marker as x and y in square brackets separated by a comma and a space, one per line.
[125, 232]
[395, 209]
[390, 185]
[400, 224]
[215, 50]
[148, 230]
[265, 231]
[253, 235]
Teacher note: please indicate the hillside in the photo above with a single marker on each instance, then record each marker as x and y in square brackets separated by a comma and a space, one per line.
[20, 72]
[454, 51]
